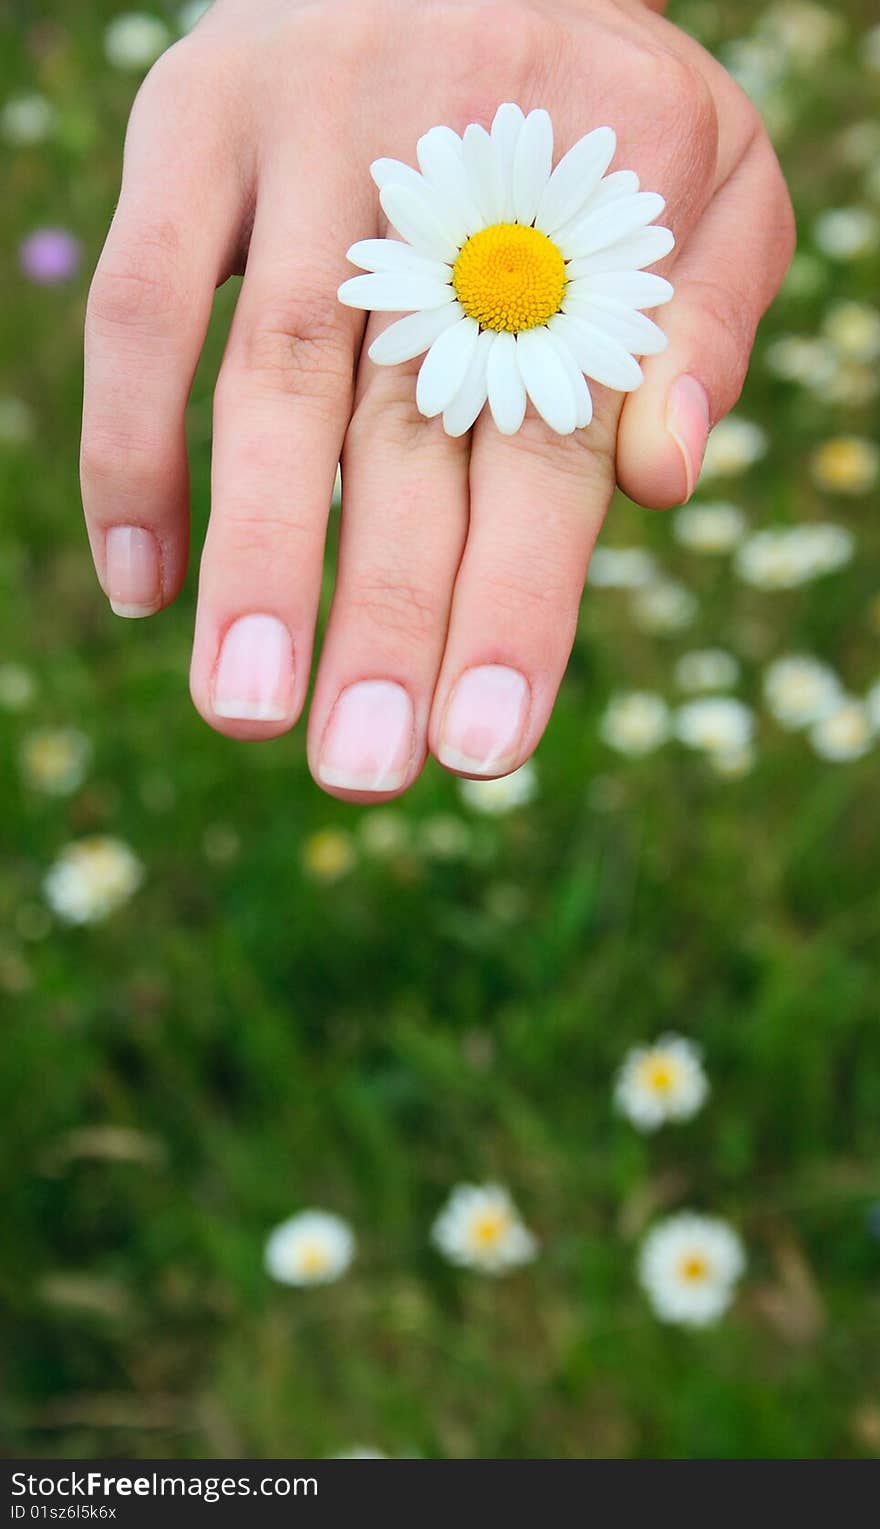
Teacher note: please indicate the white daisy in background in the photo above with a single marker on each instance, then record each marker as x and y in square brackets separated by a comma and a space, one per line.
[134, 40]
[385, 832]
[716, 527]
[803, 31]
[805, 359]
[661, 1082]
[734, 446]
[845, 733]
[445, 837]
[17, 687]
[91, 879]
[518, 280]
[635, 723]
[854, 328]
[716, 724]
[312, 1248]
[16, 421]
[55, 760]
[871, 48]
[689, 1266]
[27, 119]
[847, 464]
[666, 606]
[732, 764]
[621, 568]
[784, 557]
[707, 669]
[800, 690]
[846, 233]
[480, 1228]
[872, 706]
[495, 797]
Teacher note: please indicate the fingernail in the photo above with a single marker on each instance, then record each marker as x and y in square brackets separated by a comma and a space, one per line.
[368, 744]
[254, 677]
[132, 571]
[484, 721]
[687, 420]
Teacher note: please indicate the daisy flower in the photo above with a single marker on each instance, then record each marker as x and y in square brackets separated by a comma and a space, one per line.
[636, 722]
[621, 568]
[845, 733]
[480, 1228]
[664, 607]
[55, 760]
[783, 557]
[707, 669]
[494, 797]
[847, 464]
[800, 690]
[135, 40]
[662, 1082]
[91, 879]
[709, 528]
[734, 446]
[689, 1266]
[312, 1248]
[716, 724]
[519, 280]
[328, 855]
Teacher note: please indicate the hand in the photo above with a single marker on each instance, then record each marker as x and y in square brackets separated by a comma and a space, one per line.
[462, 562]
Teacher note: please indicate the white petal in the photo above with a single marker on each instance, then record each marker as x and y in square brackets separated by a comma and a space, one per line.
[638, 289]
[574, 178]
[583, 399]
[445, 366]
[391, 255]
[413, 335]
[440, 156]
[507, 393]
[597, 355]
[506, 129]
[421, 220]
[621, 183]
[547, 380]
[616, 221]
[532, 164]
[630, 254]
[631, 329]
[482, 168]
[396, 292]
[393, 172]
[468, 402]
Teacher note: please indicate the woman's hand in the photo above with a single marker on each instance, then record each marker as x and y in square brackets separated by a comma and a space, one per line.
[461, 562]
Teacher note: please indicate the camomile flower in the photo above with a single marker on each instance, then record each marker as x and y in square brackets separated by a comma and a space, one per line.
[846, 233]
[26, 119]
[135, 39]
[689, 1266]
[734, 446]
[707, 669]
[733, 763]
[661, 1082]
[635, 723]
[519, 280]
[495, 797]
[716, 527]
[800, 690]
[847, 464]
[854, 328]
[805, 359]
[55, 760]
[872, 706]
[328, 855]
[91, 879]
[480, 1228]
[16, 421]
[621, 568]
[716, 724]
[845, 733]
[803, 31]
[312, 1248]
[664, 607]
[17, 687]
[871, 48]
[782, 557]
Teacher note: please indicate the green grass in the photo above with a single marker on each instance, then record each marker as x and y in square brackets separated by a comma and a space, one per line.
[273, 1041]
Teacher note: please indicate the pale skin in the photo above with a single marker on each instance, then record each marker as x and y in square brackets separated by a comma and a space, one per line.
[462, 562]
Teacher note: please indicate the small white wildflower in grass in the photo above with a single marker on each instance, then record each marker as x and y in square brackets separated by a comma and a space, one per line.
[480, 1228]
[385, 832]
[734, 446]
[803, 32]
[55, 760]
[805, 359]
[621, 568]
[846, 233]
[636, 722]
[872, 705]
[660, 1083]
[784, 557]
[16, 421]
[445, 837]
[858, 144]
[26, 119]
[664, 607]
[716, 527]
[707, 669]
[91, 879]
[871, 48]
[845, 733]
[854, 329]
[134, 40]
[328, 855]
[312, 1248]
[800, 690]
[17, 687]
[715, 724]
[732, 764]
[495, 797]
[847, 464]
[689, 1267]
[852, 383]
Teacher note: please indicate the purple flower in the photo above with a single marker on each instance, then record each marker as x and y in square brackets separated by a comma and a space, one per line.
[49, 256]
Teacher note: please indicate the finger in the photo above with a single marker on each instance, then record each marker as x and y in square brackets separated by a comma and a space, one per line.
[725, 277]
[282, 402]
[404, 519]
[537, 503]
[171, 242]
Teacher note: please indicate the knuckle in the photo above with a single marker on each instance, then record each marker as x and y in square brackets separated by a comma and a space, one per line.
[393, 604]
[729, 319]
[682, 100]
[512, 60]
[137, 286]
[108, 456]
[297, 346]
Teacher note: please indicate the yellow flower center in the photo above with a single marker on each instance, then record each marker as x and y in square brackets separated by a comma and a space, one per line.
[694, 1268]
[313, 1259]
[660, 1074]
[510, 278]
[489, 1228]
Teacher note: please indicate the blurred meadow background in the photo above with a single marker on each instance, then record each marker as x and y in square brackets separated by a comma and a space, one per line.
[227, 999]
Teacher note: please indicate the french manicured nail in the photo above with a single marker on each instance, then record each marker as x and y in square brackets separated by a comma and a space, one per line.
[687, 420]
[368, 744]
[254, 677]
[484, 721]
[132, 571]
